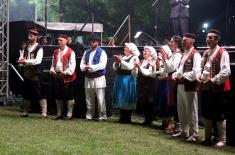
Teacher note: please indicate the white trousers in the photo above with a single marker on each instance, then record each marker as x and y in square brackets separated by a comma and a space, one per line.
[187, 106]
[91, 94]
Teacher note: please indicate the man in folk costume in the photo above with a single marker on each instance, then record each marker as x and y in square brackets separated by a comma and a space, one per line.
[215, 87]
[32, 86]
[93, 63]
[63, 70]
[188, 75]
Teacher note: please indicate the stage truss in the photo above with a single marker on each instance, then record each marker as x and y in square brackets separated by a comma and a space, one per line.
[4, 48]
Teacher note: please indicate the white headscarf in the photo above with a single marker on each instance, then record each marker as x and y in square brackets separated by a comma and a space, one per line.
[133, 48]
[167, 50]
[152, 50]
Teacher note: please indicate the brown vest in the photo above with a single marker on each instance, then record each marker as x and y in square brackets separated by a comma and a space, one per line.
[215, 69]
[188, 66]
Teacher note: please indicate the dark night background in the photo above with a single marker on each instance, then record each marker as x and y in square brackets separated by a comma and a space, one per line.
[218, 14]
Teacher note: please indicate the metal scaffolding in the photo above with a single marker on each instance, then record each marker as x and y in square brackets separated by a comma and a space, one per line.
[4, 48]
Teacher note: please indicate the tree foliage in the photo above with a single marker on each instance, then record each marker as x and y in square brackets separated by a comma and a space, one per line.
[111, 13]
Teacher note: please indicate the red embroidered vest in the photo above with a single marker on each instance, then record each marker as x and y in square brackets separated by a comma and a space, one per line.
[65, 62]
[215, 69]
[188, 66]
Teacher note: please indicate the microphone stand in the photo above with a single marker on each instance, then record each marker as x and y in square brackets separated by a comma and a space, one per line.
[155, 5]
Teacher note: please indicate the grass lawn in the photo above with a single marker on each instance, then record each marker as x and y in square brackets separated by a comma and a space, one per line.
[44, 136]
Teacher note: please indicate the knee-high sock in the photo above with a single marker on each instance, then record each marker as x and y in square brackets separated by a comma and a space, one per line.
[221, 125]
[70, 105]
[43, 104]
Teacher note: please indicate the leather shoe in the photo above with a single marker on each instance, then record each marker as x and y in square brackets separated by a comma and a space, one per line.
[179, 134]
[57, 117]
[43, 116]
[68, 118]
[193, 138]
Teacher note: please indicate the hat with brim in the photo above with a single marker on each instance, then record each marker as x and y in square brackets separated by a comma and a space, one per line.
[94, 37]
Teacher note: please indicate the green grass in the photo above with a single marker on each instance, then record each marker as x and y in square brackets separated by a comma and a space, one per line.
[44, 136]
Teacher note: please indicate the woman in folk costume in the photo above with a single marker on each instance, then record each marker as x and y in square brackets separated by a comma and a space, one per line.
[63, 70]
[170, 65]
[146, 83]
[162, 86]
[124, 90]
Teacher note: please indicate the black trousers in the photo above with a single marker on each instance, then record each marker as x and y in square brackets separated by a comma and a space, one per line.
[63, 91]
[180, 25]
[214, 105]
[33, 90]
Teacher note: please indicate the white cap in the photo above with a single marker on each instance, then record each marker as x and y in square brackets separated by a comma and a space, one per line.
[133, 48]
[152, 50]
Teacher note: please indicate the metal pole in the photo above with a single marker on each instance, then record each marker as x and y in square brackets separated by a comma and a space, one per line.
[119, 29]
[129, 27]
[227, 23]
[155, 5]
[92, 20]
[7, 47]
[46, 17]
[61, 11]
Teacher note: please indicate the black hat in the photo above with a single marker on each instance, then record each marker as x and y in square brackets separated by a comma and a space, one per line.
[33, 32]
[63, 36]
[214, 31]
[94, 37]
[190, 35]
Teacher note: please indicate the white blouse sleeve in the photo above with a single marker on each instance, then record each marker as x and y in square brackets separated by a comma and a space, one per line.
[196, 71]
[225, 71]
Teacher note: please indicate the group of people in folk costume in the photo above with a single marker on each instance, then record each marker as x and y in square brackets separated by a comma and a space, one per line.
[181, 72]
[171, 78]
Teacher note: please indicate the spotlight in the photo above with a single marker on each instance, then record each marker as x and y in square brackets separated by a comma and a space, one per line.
[205, 25]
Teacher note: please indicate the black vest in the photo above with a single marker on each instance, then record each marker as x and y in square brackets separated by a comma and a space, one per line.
[36, 69]
[122, 71]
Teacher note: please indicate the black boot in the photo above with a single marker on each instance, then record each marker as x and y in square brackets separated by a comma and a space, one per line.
[122, 116]
[148, 113]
